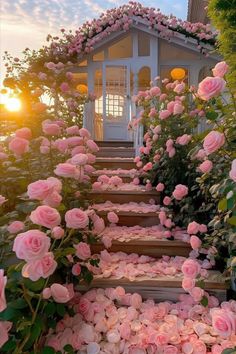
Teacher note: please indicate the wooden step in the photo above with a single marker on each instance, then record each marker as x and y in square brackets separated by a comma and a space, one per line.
[108, 151]
[115, 143]
[160, 288]
[152, 248]
[126, 178]
[115, 162]
[125, 196]
[128, 218]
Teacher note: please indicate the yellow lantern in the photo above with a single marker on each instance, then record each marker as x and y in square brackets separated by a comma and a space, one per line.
[83, 89]
[178, 73]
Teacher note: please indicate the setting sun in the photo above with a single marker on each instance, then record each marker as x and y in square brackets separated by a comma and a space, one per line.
[13, 104]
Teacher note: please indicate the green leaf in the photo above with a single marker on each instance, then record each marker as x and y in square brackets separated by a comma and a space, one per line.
[48, 350]
[201, 284]
[61, 309]
[204, 301]
[230, 203]
[211, 115]
[68, 349]
[229, 351]
[222, 205]
[232, 220]
[19, 304]
[50, 309]
[34, 285]
[9, 346]
[10, 314]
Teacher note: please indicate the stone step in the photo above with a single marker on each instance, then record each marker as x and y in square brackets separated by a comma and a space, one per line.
[115, 143]
[160, 288]
[129, 218]
[108, 151]
[115, 162]
[125, 196]
[152, 248]
[126, 175]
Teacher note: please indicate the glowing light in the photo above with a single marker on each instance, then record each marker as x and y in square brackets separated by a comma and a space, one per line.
[178, 73]
[83, 89]
[13, 104]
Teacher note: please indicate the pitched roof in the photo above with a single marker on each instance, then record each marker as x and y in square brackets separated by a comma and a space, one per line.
[117, 20]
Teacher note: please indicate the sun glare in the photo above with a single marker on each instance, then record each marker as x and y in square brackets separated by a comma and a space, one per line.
[13, 104]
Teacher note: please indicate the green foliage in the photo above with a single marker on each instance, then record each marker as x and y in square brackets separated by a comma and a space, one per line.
[223, 16]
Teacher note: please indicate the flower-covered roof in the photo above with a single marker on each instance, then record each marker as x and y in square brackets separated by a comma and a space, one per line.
[91, 33]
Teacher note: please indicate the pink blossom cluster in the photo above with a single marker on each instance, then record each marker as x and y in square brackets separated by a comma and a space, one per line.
[117, 172]
[122, 18]
[113, 321]
[104, 183]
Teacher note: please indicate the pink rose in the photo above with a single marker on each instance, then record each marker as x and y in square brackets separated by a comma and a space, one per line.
[116, 181]
[136, 300]
[51, 129]
[92, 145]
[213, 141]
[201, 154]
[160, 187]
[76, 219]
[180, 191]
[184, 139]
[206, 166]
[178, 108]
[79, 159]
[112, 217]
[191, 268]
[24, 133]
[5, 327]
[220, 69]
[15, 226]
[83, 251]
[31, 245]
[210, 87]
[76, 269]
[53, 200]
[58, 232]
[167, 201]
[84, 305]
[179, 88]
[60, 293]
[147, 167]
[39, 190]
[3, 282]
[195, 242]
[73, 130]
[197, 293]
[66, 170]
[193, 228]
[19, 146]
[232, 173]
[65, 87]
[223, 322]
[45, 216]
[98, 225]
[84, 133]
[155, 91]
[188, 283]
[164, 114]
[40, 268]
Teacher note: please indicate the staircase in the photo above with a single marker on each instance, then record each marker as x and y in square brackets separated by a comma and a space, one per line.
[133, 208]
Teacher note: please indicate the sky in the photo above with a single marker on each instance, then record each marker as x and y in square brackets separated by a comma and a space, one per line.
[26, 23]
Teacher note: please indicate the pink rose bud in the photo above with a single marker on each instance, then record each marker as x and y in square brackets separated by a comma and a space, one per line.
[193, 228]
[76, 269]
[195, 242]
[57, 232]
[15, 227]
[160, 187]
[112, 217]
[180, 191]
[167, 201]
[205, 166]
[220, 69]
[46, 293]
[213, 142]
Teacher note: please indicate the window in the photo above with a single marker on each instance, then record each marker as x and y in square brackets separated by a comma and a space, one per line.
[143, 44]
[121, 49]
[144, 78]
[83, 63]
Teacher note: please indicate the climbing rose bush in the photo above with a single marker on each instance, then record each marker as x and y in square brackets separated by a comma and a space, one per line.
[175, 158]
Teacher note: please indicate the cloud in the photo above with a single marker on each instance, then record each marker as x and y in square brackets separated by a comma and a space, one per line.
[26, 23]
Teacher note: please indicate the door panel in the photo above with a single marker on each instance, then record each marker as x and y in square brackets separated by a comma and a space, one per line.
[116, 101]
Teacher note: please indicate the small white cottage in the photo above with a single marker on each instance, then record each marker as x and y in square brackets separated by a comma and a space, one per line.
[134, 45]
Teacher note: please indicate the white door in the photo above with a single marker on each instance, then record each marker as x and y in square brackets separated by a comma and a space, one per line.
[116, 101]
